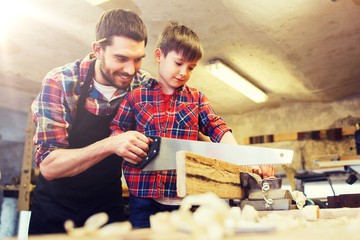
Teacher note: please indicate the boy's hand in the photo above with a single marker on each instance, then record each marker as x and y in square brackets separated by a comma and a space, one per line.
[265, 171]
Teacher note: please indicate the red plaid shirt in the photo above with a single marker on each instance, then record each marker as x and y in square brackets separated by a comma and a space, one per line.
[143, 110]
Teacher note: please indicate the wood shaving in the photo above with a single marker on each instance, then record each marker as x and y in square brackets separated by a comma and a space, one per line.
[94, 225]
[214, 219]
[115, 229]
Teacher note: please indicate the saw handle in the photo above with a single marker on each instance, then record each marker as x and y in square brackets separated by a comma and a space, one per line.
[152, 153]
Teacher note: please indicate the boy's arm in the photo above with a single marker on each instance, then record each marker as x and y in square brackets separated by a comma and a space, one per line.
[228, 138]
[202, 137]
[216, 125]
[265, 171]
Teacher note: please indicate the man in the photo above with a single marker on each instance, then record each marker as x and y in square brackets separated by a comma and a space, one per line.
[80, 166]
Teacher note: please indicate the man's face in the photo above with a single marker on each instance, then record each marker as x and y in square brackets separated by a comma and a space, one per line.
[120, 61]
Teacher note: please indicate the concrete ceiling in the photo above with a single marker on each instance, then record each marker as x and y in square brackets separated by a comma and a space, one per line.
[296, 51]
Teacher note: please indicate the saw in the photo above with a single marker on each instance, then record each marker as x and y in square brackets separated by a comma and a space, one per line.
[162, 153]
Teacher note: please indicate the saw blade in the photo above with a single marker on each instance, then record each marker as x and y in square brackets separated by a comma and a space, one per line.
[162, 155]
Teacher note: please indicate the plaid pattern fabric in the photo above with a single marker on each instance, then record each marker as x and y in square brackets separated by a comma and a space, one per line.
[55, 107]
[143, 110]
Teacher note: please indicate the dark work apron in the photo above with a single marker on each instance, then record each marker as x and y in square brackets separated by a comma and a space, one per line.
[98, 189]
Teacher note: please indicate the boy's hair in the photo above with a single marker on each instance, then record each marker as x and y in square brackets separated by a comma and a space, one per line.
[119, 22]
[181, 39]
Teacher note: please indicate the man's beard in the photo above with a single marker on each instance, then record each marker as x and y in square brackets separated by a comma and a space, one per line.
[110, 77]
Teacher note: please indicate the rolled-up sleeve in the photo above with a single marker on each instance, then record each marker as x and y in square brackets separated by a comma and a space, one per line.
[51, 117]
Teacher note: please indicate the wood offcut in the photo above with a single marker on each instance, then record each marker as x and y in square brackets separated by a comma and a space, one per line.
[198, 174]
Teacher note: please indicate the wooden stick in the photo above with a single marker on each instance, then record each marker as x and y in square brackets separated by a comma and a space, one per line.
[197, 174]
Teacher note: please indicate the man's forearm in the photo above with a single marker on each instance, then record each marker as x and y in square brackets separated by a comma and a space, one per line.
[70, 162]
[263, 171]
[131, 145]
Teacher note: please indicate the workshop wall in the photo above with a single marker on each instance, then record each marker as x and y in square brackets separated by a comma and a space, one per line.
[12, 130]
[12, 140]
[299, 117]
[12, 125]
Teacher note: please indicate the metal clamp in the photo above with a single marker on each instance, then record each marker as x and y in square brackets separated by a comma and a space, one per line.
[265, 192]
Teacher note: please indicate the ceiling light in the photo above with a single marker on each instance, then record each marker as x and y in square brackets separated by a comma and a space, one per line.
[96, 2]
[236, 81]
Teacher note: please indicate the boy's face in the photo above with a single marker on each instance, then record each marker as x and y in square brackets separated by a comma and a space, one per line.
[119, 61]
[174, 70]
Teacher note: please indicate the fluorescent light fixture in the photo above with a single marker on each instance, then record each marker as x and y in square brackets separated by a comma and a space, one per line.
[96, 2]
[236, 81]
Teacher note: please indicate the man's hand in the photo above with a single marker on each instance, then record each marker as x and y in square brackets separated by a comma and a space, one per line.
[132, 146]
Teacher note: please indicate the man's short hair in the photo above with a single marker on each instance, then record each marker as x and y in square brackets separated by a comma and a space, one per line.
[119, 22]
[181, 39]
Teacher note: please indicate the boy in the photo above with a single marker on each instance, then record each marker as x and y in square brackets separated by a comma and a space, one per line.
[167, 107]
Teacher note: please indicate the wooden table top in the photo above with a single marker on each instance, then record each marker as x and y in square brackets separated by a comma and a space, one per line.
[333, 224]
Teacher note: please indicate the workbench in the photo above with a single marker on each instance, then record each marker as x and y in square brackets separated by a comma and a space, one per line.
[333, 224]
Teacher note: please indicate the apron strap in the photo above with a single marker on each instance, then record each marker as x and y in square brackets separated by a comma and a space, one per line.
[84, 93]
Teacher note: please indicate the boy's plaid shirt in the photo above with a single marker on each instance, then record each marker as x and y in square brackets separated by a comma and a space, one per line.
[143, 110]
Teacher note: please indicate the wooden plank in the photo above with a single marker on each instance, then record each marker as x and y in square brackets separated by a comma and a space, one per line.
[329, 134]
[26, 187]
[285, 137]
[197, 174]
[334, 161]
[343, 163]
[349, 157]
[346, 131]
